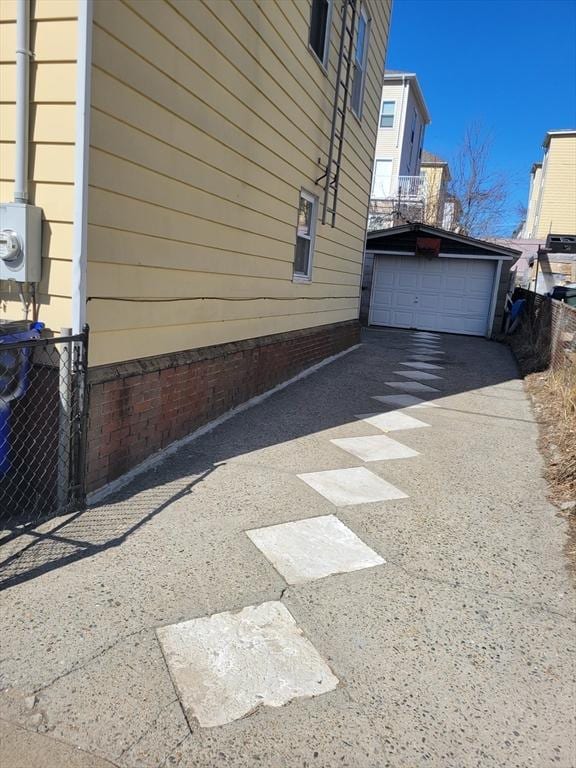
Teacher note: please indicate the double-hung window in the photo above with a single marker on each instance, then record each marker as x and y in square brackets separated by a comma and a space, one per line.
[320, 20]
[359, 62]
[305, 232]
[387, 114]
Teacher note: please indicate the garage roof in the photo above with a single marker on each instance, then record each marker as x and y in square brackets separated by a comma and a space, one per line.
[403, 239]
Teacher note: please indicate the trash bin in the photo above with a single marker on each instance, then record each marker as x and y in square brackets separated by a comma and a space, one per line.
[14, 366]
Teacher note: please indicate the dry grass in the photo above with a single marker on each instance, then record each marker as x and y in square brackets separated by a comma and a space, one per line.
[554, 397]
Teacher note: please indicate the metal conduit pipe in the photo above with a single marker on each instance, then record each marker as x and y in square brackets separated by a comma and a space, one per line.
[22, 100]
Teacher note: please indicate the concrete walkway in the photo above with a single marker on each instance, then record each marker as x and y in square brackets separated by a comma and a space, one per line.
[435, 626]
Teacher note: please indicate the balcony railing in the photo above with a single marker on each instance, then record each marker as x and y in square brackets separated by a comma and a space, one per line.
[405, 188]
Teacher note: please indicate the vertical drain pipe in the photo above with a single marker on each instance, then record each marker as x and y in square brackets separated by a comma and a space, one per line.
[22, 100]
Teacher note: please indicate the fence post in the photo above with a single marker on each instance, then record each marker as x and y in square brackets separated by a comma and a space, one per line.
[65, 395]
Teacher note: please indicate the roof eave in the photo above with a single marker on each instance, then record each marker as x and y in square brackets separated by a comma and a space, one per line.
[417, 90]
[512, 252]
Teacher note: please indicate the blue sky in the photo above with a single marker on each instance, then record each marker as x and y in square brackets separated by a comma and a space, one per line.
[510, 64]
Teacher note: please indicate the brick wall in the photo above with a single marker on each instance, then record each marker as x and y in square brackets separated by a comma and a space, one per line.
[139, 407]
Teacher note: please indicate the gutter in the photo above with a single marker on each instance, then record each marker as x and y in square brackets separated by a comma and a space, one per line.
[23, 55]
[81, 158]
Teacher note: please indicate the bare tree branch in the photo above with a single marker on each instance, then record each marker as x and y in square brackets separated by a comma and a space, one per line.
[481, 193]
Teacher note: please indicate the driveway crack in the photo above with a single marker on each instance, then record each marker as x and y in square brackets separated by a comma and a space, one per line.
[469, 588]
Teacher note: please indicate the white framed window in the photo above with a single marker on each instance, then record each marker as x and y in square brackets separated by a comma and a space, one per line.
[359, 63]
[305, 235]
[320, 22]
[381, 179]
[387, 114]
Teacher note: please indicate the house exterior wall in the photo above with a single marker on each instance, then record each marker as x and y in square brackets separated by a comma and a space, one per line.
[410, 157]
[389, 141]
[394, 143]
[53, 41]
[206, 122]
[533, 194]
[557, 205]
[436, 182]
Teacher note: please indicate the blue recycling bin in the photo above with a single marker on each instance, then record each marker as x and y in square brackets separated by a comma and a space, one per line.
[14, 366]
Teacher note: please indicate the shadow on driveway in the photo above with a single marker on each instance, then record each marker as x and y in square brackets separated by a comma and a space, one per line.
[327, 399]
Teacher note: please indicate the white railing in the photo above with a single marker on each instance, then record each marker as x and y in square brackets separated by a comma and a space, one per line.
[410, 187]
[405, 188]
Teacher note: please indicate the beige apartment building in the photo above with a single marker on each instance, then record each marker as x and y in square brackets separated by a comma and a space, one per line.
[552, 197]
[203, 171]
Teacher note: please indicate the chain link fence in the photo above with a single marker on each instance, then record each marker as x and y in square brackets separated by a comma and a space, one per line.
[42, 425]
[546, 335]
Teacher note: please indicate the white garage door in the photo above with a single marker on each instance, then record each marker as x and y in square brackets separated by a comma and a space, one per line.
[438, 294]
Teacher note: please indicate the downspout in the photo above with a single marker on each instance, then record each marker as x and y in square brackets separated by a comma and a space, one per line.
[22, 100]
[81, 158]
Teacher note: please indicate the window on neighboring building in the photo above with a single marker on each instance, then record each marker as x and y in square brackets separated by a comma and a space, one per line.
[387, 114]
[381, 179]
[360, 59]
[320, 18]
[305, 232]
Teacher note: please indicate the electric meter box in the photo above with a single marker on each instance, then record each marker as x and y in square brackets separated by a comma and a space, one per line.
[20, 242]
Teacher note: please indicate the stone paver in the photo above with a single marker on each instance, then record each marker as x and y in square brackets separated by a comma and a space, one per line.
[303, 550]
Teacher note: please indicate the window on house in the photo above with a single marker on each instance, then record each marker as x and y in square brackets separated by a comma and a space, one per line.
[305, 232]
[414, 118]
[320, 19]
[381, 179]
[387, 114]
[360, 59]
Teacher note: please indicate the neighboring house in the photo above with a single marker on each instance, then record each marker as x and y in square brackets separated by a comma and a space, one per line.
[436, 173]
[543, 264]
[522, 271]
[555, 264]
[418, 276]
[180, 153]
[552, 197]
[396, 182]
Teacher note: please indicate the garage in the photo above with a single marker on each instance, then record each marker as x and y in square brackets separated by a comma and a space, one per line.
[427, 278]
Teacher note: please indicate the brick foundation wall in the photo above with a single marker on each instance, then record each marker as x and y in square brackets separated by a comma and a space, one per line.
[140, 407]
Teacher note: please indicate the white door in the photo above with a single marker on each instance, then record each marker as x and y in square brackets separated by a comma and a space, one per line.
[382, 176]
[439, 294]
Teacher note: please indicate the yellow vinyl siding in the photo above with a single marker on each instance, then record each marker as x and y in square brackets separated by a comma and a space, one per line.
[557, 210]
[207, 120]
[435, 192]
[51, 160]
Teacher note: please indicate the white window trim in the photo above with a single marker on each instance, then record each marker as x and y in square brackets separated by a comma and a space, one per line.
[364, 13]
[387, 127]
[301, 277]
[322, 62]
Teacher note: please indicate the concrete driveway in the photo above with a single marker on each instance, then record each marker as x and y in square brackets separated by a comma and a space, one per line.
[432, 627]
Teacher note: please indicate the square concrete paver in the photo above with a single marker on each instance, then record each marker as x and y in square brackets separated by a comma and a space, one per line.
[374, 448]
[392, 421]
[227, 665]
[309, 549]
[426, 357]
[411, 386]
[356, 485]
[423, 366]
[427, 350]
[405, 401]
[418, 375]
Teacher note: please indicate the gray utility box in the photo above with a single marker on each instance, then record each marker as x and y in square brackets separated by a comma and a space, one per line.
[20, 242]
